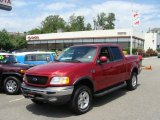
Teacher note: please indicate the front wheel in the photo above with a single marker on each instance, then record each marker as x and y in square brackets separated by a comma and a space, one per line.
[12, 85]
[81, 100]
[132, 82]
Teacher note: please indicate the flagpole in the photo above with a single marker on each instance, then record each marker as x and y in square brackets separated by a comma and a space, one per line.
[131, 31]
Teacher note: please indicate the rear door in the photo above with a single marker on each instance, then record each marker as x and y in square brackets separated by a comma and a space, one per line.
[118, 66]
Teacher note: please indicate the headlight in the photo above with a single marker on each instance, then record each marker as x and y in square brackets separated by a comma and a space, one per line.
[22, 71]
[59, 80]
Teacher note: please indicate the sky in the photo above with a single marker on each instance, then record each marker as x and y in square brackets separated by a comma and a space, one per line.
[28, 14]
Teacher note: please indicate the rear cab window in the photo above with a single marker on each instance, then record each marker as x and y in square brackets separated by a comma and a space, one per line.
[116, 53]
[37, 57]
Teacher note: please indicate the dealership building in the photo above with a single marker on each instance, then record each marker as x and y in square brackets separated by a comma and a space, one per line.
[152, 39]
[65, 39]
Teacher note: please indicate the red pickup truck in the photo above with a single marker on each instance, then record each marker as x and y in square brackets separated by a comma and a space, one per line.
[81, 73]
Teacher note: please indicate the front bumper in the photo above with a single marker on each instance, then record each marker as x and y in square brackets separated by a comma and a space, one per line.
[49, 94]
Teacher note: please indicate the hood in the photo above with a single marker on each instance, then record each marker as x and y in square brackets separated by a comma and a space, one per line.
[19, 65]
[58, 68]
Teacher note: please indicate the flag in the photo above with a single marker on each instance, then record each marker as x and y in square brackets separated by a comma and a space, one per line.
[136, 18]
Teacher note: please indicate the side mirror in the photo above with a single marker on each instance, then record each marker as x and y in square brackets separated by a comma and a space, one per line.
[103, 59]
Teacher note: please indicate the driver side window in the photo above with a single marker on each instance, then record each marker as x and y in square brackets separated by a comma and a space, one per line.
[105, 52]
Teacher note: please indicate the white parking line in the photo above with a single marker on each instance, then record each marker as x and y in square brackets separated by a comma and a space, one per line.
[16, 99]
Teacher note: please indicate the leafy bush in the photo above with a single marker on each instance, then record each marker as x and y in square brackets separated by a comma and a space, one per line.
[150, 52]
[134, 51]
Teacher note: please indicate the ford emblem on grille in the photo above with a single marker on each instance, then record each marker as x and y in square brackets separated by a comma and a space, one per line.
[35, 79]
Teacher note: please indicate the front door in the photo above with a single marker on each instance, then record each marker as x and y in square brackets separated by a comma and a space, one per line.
[104, 71]
[111, 72]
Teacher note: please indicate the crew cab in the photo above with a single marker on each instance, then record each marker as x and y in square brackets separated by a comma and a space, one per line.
[81, 73]
[11, 73]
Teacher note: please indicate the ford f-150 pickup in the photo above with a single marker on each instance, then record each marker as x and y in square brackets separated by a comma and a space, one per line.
[81, 73]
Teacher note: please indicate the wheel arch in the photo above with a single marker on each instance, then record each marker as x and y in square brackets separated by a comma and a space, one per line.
[135, 69]
[10, 74]
[85, 81]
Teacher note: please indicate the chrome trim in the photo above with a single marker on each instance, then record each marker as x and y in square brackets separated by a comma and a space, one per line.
[49, 91]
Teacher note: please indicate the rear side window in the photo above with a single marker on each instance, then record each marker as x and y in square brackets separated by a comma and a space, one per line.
[116, 53]
[37, 57]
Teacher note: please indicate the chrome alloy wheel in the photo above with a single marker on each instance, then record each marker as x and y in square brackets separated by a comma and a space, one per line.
[134, 81]
[83, 100]
[11, 86]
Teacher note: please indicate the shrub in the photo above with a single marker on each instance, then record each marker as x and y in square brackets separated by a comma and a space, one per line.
[134, 51]
[150, 52]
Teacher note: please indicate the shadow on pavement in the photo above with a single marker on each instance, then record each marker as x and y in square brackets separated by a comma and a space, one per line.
[49, 110]
[63, 111]
[100, 101]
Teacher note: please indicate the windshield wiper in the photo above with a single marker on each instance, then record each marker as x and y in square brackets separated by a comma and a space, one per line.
[56, 60]
[68, 60]
[75, 60]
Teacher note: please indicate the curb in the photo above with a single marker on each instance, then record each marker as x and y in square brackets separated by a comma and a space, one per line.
[149, 58]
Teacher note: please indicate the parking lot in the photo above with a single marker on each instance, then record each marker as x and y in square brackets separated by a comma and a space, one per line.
[141, 104]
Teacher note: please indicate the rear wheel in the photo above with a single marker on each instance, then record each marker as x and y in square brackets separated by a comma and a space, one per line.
[82, 100]
[132, 83]
[12, 85]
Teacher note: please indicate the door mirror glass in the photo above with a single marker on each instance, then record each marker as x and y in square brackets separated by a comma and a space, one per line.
[103, 59]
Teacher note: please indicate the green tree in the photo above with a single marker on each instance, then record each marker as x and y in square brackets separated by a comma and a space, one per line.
[35, 31]
[110, 19]
[104, 21]
[18, 41]
[5, 42]
[88, 27]
[52, 24]
[10, 42]
[67, 28]
[76, 23]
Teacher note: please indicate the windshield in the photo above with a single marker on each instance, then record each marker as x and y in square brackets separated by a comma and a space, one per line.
[7, 59]
[78, 54]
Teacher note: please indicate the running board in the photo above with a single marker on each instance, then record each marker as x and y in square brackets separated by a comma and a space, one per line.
[110, 90]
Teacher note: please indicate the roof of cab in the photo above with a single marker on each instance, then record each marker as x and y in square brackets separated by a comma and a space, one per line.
[2, 53]
[37, 52]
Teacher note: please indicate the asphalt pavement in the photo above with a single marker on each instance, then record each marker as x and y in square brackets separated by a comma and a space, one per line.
[140, 104]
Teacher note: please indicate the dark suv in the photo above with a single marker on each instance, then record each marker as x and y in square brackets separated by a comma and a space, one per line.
[11, 73]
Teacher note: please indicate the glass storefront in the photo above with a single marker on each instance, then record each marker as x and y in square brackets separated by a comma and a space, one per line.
[61, 44]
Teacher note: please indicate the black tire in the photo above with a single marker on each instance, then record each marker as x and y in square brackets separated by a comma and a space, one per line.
[38, 102]
[132, 82]
[12, 85]
[87, 96]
